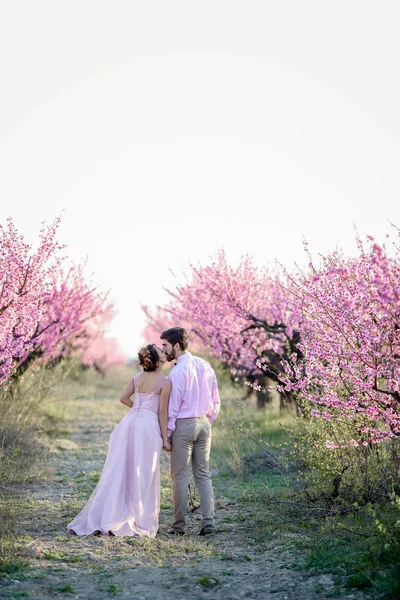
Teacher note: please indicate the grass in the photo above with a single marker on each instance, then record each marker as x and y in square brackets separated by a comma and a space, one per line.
[207, 582]
[66, 589]
[53, 555]
[31, 415]
[346, 547]
[12, 568]
[359, 560]
[251, 496]
[114, 589]
[242, 431]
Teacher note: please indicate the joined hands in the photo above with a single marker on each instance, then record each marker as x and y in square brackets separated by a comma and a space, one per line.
[167, 445]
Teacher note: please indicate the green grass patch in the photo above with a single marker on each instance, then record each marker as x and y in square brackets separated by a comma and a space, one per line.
[207, 582]
[12, 568]
[357, 555]
[66, 589]
[114, 589]
[242, 431]
[53, 555]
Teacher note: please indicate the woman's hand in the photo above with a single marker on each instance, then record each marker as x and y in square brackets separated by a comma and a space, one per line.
[167, 445]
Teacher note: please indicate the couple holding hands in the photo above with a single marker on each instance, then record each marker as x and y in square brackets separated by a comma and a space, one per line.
[173, 413]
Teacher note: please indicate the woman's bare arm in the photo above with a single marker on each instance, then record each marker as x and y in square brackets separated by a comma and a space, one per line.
[163, 413]
[127, 393]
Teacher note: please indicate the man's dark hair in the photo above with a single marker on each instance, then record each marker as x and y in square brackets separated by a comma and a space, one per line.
[176, 335]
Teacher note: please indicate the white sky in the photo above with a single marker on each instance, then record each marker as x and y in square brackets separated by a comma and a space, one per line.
[167, 130]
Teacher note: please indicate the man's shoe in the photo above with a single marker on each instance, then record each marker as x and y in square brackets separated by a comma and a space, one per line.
[206, 530]
[173, 531]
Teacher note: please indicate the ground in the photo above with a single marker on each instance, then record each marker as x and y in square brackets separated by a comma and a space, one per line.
[238, 561]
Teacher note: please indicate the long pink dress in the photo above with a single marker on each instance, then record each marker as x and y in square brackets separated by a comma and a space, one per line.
[126, 500]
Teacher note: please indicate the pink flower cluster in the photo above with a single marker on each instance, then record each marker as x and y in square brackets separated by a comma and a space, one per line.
[350, 340]
[45, 312]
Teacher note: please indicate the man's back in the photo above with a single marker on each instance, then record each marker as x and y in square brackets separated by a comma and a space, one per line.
[194, 390]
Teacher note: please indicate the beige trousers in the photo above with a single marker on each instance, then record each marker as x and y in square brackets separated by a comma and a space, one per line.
[191, 444]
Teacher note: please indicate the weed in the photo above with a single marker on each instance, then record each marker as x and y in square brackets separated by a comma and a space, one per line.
[358, 580]
[66, 589]
[113, 589]
[73, 558]
[14, 568]
[226, 556]
[53, 555]
[207, 582]
[94, 477]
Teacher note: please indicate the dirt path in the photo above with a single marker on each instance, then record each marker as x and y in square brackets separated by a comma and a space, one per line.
[229, 565]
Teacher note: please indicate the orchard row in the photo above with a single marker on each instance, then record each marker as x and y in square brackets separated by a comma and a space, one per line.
[328, 335]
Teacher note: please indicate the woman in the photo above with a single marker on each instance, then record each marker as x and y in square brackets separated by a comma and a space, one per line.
[126, 500]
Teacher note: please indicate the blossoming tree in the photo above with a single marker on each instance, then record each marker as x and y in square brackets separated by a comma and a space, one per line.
[240, 314]
[45, 312]
[350, 343]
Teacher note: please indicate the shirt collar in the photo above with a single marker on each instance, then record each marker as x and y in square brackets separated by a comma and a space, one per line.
[183, 357]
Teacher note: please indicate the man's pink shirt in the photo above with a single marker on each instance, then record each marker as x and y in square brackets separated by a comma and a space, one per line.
[194, 390]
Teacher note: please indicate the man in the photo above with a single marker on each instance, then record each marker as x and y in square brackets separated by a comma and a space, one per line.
[193, 405]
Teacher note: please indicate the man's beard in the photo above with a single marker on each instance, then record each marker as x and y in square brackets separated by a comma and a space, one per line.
[172, 355]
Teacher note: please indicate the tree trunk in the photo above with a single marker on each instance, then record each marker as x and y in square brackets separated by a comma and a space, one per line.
[263, 396]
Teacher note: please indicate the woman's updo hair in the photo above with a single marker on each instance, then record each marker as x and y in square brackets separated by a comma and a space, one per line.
[149, 358]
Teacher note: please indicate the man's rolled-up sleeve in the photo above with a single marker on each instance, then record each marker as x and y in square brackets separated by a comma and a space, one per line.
[216, 402]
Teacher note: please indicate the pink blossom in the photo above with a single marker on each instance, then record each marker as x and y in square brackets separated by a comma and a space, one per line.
[350, 335]
[331, 445]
